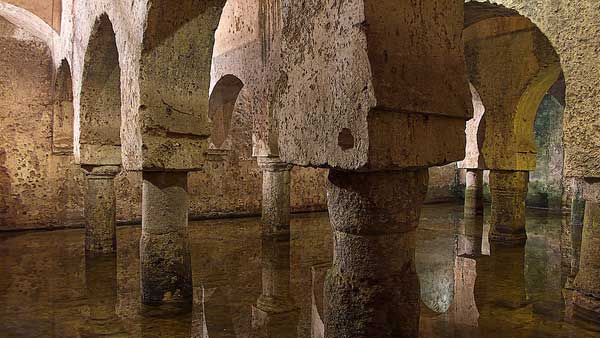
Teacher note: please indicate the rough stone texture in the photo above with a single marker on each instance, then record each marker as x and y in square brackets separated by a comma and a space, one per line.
[494, 38]
[369, 92]
[37, 186]
[372, 288]
[165, 261]
[443, 184]
[98, 126]
[275, 196]
[564, 22]
[474, 193]
[101, 211]
[508, 190]
[587, 284]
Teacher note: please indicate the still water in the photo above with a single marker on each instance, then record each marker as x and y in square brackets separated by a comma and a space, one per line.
[469, 288]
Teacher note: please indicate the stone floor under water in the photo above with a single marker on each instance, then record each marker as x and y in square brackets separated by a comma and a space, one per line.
[48, 290]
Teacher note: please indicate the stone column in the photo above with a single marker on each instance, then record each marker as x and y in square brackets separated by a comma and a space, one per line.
[100, 210]
[509, 192]
[275, 196]
[470, 237]
[166, 273]
[474, 193]
[587, 283]
[372, 288]
[275, 314]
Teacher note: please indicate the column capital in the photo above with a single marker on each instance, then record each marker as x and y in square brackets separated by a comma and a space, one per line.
[273, 164]
[100, 172]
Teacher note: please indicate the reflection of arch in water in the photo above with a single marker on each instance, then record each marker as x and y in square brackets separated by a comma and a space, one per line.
[98, 125]
[221, 106]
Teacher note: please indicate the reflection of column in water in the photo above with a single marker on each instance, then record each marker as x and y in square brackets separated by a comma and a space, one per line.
[318, 282]
[464, 311]
[500, 291]
[275, 314]
[101, 291]
[587, 283]
[167, 325]
[470, 237]
[213, 316]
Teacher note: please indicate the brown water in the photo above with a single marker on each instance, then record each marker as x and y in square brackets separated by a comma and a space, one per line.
[469, 288]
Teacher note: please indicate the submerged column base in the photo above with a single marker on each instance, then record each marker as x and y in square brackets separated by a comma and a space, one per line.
[372, 288]
[509, 192]
[100, 211]
[166, 273]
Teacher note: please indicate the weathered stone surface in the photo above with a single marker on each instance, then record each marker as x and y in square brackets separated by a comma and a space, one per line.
[494, 38]
[508, 190]
[275, 196]
[587, 284]
[350, 100]
[474, 193]
[98, 126]
[372, 289]
[564, 22]
[100, 211]
[38, 187]
[165, 261]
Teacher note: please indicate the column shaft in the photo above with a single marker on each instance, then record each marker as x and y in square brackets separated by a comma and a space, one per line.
[100, 211]
[166, 274]
[474, 193]
[275, 196]
[509, 192]
[372, 289]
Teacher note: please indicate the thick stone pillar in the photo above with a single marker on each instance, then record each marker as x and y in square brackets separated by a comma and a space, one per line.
[474, 193]
[509, 192]
[275, 196]
[166, 273]
[587, 283]
[100, 210]
[372, 288]
[275, 314]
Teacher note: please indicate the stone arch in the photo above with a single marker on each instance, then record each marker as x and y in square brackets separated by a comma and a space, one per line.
[29, 21]
[511, 64]
[99, 123]
[62, 110]
[221, 105]
[174, 82]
